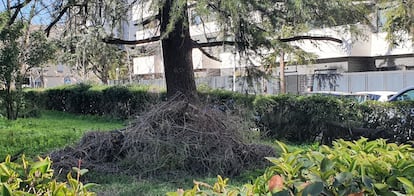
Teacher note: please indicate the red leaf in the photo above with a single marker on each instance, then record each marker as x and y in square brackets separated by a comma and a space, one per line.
[275, 183]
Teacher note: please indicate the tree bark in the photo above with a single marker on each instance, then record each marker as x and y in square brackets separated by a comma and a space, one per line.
[9, 102]
[177, 53]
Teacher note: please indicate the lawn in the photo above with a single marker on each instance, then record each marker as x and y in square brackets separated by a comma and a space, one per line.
[39, 136]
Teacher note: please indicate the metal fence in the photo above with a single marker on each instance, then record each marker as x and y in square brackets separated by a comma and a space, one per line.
[371, 81]
[346, 82]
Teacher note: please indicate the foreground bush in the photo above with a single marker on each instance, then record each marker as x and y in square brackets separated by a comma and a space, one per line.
[36, 178]
[348, 168]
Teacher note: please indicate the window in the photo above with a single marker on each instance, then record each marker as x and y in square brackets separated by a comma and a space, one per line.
[381, 18]
[407, 96]
[195, 18]
[60, 68]
[409, 67]
[38, 83]
[67, 80]
[198, 19]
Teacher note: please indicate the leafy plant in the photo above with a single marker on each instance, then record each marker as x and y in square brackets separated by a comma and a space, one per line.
[36, 178]
[361, 167]
[219, 188]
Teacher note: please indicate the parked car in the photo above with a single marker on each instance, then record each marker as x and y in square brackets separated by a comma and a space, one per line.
[382, 96]
[406, 94]
[328, 93]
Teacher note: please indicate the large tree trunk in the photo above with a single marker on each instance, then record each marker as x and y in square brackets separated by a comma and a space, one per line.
[177, 53]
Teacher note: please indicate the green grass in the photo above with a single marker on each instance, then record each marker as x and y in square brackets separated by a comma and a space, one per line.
[124, 185]
[53, 130]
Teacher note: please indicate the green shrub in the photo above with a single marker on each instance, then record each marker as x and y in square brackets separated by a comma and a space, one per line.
[117, 101]
[303, 119]
[36, 178]
[394, 117]
[371, 167]
[348, 168]
[227, 99]
[32, 103]
[124, 101]
[299, 119]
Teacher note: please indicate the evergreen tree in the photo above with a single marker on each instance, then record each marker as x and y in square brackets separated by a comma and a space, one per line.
[399, 20]
[87, 53]
[256, 27]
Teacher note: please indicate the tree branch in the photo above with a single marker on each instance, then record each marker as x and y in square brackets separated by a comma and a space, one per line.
[218, 43]
[200, 46]
[306, 37]
[61, 13]
[290, 39]
[157, 38]
[149, 20]
[18, 7]
[197, 45]
[109, 40]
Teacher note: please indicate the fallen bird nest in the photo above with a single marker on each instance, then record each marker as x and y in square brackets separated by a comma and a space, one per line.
[172, 136]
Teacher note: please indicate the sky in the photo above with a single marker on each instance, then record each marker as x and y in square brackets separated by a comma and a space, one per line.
[43, 10]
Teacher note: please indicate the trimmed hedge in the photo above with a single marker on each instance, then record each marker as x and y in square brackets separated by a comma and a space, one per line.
[396, 118]
[116, 101]
[304, 118]
[300, 118]
[292, 118]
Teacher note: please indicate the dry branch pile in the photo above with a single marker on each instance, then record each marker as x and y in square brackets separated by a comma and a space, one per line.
[173, 136]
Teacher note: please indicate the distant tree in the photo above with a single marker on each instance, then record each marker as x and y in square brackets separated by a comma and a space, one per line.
[9, 65]
[105, 59]
[85, 53]
[21, 49]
